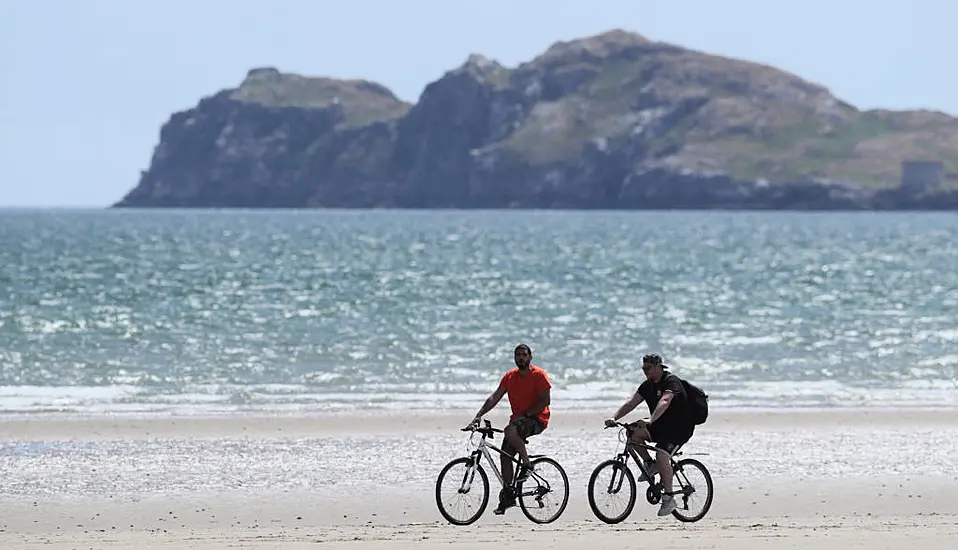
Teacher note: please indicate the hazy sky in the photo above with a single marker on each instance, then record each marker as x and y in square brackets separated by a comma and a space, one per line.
[86, 84]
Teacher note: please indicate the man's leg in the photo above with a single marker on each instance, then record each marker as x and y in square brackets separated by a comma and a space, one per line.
[664, 464]
[666, 447]
[514, 437]
[506, 497]
[505, 460]
[641, 435]
[512, 444]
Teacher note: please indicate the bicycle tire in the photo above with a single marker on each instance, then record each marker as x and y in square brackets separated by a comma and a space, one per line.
[677, 513]
[565, 496]
[485, 491]
[630, 483]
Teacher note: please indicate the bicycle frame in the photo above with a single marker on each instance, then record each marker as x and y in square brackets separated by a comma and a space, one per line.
[482, 450]
[630, 450]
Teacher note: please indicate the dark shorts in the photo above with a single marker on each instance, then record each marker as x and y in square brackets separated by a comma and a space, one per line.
[668, 438]
[528, 426]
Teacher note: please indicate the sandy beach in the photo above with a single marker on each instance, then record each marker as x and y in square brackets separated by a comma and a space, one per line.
[364, 481]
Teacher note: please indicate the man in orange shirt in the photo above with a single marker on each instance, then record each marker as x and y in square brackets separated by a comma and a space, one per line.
[528, 388]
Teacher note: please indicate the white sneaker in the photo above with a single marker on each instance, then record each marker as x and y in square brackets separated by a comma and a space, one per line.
[668, 505]
[650, 466]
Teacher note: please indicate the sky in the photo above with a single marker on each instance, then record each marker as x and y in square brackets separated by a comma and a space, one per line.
[86, 85]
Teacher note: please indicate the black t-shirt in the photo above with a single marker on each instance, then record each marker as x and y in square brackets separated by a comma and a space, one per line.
[676, 416]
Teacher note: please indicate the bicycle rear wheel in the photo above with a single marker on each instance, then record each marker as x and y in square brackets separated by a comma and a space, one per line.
[694, 490]
[545, 494]
[460, 499]
[612, 482]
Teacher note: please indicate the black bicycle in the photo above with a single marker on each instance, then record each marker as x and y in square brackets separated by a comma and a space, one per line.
[612, 482]
[462, 496]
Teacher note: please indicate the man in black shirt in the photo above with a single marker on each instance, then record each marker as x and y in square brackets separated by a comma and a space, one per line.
[669, 425]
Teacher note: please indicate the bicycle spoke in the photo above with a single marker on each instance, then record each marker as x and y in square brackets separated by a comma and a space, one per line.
[461, 495]
[612, 491]
[544, 495]
[693, 490]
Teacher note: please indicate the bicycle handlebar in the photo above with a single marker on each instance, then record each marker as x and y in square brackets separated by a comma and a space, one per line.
[485, 430]
[478, 429]
[620, 425]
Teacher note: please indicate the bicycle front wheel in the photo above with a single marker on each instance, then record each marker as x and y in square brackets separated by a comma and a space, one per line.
[693, 496]
[461, 494]
[612, 488]
[545, 494]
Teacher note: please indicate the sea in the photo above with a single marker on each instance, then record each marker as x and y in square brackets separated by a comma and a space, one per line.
[306, 311]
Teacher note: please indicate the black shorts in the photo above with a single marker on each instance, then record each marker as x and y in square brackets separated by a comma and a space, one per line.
[528, 426]
[668, 438]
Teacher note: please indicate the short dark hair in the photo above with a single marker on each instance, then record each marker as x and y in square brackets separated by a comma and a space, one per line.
[525, 347]
[652, 359]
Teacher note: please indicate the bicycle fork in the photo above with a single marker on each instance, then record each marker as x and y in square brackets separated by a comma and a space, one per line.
[618, 474]
[470, 473]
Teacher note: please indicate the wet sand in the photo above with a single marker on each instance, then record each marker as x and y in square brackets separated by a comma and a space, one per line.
[363, 481]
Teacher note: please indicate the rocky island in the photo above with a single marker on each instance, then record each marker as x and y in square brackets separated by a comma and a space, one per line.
[613, 121]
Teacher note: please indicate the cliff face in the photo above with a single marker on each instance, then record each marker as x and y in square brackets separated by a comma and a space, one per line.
[272, 142]
[610, 121]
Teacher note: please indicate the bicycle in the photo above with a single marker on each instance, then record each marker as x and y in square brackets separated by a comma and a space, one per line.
[620, 472]
[530, 499]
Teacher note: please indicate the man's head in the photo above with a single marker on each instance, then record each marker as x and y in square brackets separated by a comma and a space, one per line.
[653, 367]
[523, 356]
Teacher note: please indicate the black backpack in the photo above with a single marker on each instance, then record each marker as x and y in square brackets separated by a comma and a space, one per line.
[698, 402]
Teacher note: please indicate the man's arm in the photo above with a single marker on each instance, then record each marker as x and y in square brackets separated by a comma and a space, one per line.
[627, 407]
[490, 403]
[662, 405]
[672, 386]
[545, 397]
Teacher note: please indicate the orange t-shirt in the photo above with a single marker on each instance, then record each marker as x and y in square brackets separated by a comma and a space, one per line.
[523, 391]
